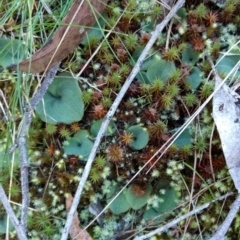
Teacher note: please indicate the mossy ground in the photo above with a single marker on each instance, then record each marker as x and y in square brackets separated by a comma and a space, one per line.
[158, 102]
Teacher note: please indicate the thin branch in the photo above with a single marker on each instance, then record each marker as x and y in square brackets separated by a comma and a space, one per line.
[19, 229]
[21, 142]
[222, 230]
[44, 86]
[110, 114]
[175, 221]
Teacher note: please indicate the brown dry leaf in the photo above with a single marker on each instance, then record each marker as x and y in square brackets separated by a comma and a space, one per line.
[54, 53]
[76, 232]
[226, 115]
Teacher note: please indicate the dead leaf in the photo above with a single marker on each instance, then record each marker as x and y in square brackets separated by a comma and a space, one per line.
[95, 209]
[226, 114]
[53, 52]
[76, 232]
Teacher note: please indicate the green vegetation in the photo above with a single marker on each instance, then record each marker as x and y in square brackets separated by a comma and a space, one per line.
[172, 83]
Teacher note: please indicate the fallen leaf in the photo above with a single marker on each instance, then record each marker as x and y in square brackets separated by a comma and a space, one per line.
[96, 209]
[76, 232]
[57, 48]
[226, 114]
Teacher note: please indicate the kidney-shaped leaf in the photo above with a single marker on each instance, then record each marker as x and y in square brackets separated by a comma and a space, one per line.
[79, 145]
[3, 225]
[170, 199]
[184, 139]
[63, 101]
[140, 137]
[11, 52]
[227, 63]
[161, 69]
[97, 125]
[150, 213]
[189, 55]
[137, 202]
[120, 204]
[194, 78]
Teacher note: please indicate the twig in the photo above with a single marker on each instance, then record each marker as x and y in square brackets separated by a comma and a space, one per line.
[175, 221]
[21, 142]
[110, 114]
[44, 86]
[19, 229]
[222, 230]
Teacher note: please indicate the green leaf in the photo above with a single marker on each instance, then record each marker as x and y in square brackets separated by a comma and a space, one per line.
[184, 139]
[194, 78]
[227, 63]
[160, 69]
[149, 214]
[120, 204]
[170, 199]
[96, 127]
[149, 61]
[63, 102]
[96, 32]
[137, 202]
[182, 13]
[149, 26]
[3, 224]
[79, 145]
[11, 52]
[140, 137]
[6, 158]
[220, 4]
[136, 54]
[189, 55]
[142, 77]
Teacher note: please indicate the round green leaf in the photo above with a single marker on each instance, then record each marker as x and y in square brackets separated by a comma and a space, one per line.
[227, 63]
[79, 145]
[3, 224]
[120, 204]
[142, 77]
[136, 54]
[182, 13]
[149, 61]
[189, 55]
[184, 139]
[194, 78]
[96, 127]
[150, 213]
[137, 202]
[160, 69]
[140, 137]
[63, 102]
[170, 199]
[11, 52]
